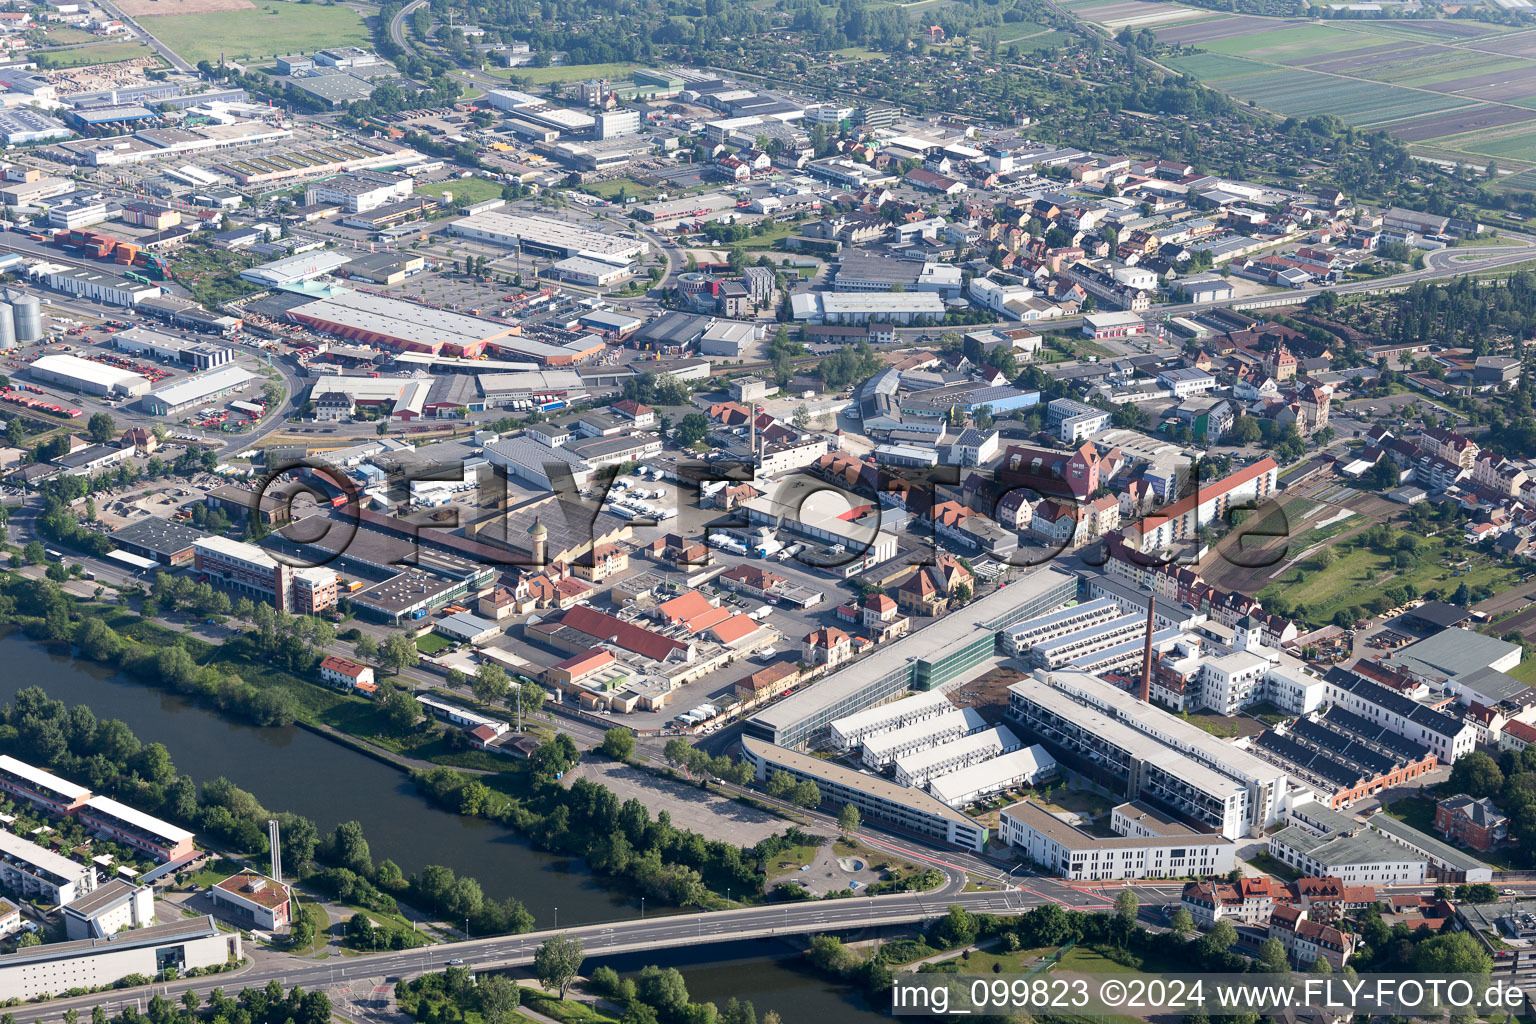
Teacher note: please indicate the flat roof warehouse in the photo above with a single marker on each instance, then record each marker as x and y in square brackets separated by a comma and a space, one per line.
[379, 320]
[541, 234]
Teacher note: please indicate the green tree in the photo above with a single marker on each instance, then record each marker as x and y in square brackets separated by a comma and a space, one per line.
[1477, 775]
[848, 818]
[491, 683]
[399, 651]
[1181, 924]
[805, 794]
[101, 427]
[497, 997]
[1272, 958]
[1452, 953]
[1127, 906]
[556, 962]
[367, 648]
[692, 428]
[402, 710]
[619, 743]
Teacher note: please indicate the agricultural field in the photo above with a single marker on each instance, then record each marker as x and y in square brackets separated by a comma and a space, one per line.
[268, 28]
[103, 53]
[1451, 89]
[566, 72]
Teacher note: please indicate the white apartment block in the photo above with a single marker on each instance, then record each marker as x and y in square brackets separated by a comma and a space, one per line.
[31, 870]
[886, 747]
[1165, 849]
[1020, 639]
[850, 732]
[917, 769]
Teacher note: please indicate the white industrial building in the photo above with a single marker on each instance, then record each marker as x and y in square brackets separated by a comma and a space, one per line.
[614, 123]
[537, 464]
[1063, 649]
[538, 110]
[360, 192]
[1027, 767]
[304, 266]
[405, 397]
[884, 748]
[547, 237]
[33, 871]
[1360, 856]
[876, 798]
[201, 355]
[916, 769]
[98, 285]
[589, 272]
[87, 377]
[851, 731]
[1446, 736]
[195, 390]
[866, 307]
[89, 964]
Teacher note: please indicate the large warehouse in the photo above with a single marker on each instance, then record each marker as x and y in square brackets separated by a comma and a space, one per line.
[195, 390]
[380, 320]
[543, 236]
[87, 377]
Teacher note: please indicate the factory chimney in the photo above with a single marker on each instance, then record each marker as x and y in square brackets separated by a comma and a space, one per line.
[1146, 654]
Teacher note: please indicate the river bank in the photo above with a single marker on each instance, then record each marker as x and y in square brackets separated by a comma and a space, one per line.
[293, 769]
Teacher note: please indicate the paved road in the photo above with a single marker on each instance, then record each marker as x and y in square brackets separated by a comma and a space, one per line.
[155, 44]
[640, 934]
[633, 935]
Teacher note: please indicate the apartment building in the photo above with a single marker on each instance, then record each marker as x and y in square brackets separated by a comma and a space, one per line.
[160, 839]
[33, 871]
[1162, 847]
[1446, 737]
[1107, 731]
[40, 788]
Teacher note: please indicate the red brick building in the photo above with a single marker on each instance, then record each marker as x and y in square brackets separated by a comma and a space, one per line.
[1477, 823]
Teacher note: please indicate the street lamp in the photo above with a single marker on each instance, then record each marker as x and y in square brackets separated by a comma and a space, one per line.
[642, 908]
[557, 919]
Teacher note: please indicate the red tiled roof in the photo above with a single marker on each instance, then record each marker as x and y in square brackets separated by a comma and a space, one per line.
[630, 637]
[1204, 494]
[704, 620]
[684, 606]
[737, 627]
[271, 895]
[585, 661]
[343, 665]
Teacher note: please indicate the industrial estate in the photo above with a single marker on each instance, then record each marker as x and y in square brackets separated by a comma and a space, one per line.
[936, 488]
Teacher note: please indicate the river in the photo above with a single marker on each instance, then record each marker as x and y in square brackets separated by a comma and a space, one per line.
[292, 769]
[295, 770]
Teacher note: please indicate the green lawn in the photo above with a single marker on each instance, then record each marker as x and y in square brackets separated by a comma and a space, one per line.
[567, 1011]
[272, 29]
[1417, 811]
[106, 54]
[431, 643]
[1266, 862]
[1361, 574]
[770, 238]
[476, 190]
[611, 188]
